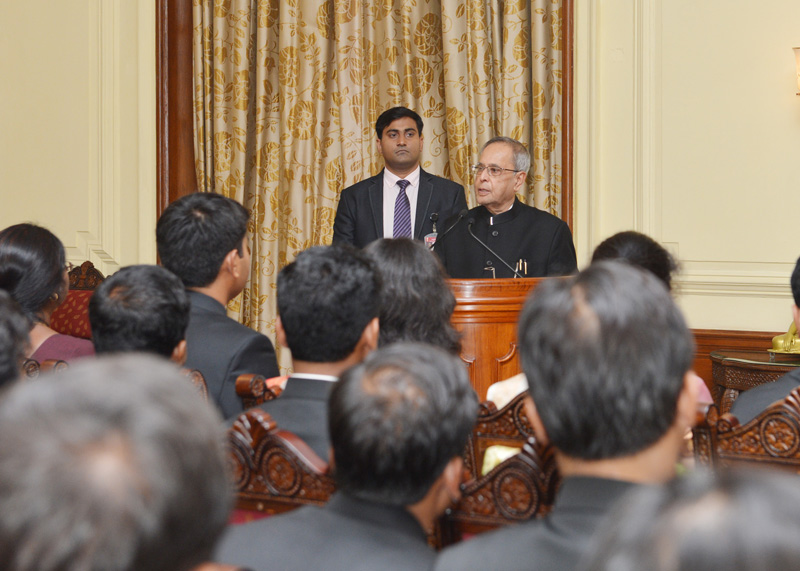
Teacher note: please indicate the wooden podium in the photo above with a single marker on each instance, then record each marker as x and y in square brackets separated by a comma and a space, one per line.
[486, 314]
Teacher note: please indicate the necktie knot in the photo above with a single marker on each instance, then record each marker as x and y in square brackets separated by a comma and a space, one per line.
[403, 184]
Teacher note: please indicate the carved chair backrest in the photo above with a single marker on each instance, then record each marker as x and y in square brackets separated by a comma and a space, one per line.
[273, 470]
[520, 488]
[508, 426]
[32, 368]
[770, 439]
[72, 316]
[256, 389]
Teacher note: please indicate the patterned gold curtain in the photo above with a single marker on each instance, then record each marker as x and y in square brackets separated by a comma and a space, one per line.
[287, 93]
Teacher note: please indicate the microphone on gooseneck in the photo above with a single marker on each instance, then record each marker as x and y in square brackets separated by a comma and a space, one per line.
[460, 217]
[470, 223]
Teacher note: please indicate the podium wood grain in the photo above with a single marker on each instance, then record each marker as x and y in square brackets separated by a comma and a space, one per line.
[486, 314]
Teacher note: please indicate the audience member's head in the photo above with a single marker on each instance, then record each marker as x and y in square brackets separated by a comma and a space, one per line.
[33, 268]
[140, 308]
[14, 341]
[327, 298]
[732, 520]
[607, 355]
[391, 115]
[416, 302]
[640, 250]
[200, 234]
[115, 464]
[399, 422]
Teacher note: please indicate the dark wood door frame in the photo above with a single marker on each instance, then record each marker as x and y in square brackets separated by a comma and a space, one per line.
[175, 137]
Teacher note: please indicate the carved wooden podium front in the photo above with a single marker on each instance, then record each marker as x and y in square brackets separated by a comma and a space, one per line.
[486, 314]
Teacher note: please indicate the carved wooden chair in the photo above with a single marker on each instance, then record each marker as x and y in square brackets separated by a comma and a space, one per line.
[520, 488]
[198, 380]
[770, 439]
[273, 470]
[256, 389]
[32, 368]
[72, 316]
[508, 426]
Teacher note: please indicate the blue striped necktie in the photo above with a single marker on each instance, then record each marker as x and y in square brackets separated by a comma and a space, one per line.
[402, 212]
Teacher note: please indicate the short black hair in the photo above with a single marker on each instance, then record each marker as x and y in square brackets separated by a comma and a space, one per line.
[733, 519]
[196, 232]
[14, 339]
[397, 419]
[796, 283]
[326, 298]
[605, 353]
[416, 302]
[32, 265]
[393, 114]
[640, 250]
[116, 463]
[139, 308]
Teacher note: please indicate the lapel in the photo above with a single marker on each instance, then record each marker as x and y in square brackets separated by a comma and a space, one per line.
[423, 202]
[375, 194]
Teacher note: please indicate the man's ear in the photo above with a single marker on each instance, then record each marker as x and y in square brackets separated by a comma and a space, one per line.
[230, 263]
[369, 338]
[280, 333]
[535, 420]
[452, 476]
[179, 353]
[796, 316]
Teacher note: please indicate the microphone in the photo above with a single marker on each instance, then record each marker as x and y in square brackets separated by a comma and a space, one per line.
[470, 223]
[460, 217]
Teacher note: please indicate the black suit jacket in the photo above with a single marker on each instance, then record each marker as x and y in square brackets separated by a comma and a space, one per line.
[302, 409]
[556, 542]
[751, 403]
[526, 233]
[346, 534]
[359, 216]
[222, 349]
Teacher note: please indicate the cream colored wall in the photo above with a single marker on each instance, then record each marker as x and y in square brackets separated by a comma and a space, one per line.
[77, 144]
[688, 129]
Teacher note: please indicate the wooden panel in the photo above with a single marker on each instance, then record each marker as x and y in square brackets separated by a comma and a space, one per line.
[486, 314]
[709, 340]
[175, 160]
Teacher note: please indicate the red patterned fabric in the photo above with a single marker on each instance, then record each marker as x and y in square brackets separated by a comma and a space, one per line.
[72, 316]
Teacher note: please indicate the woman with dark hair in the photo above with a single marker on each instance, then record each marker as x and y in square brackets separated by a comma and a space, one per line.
[416, 302]
[33, 271]
[641, 251]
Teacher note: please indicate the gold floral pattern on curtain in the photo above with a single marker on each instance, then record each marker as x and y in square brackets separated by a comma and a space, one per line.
[287, 93]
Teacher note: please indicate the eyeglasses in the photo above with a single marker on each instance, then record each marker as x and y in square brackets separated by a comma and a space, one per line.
[493, 171]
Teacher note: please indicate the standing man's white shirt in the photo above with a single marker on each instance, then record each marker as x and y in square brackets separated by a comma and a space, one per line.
[390, 192]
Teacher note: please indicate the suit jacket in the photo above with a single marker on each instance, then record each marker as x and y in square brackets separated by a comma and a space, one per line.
[540, 239]
[751, 403]
[556, 542]
[345, 534]
[359, 216]
[222, 349]
[302, 409]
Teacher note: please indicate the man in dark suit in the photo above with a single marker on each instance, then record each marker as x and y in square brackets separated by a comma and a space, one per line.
[752, 402]
[402, 201]
[607, 356]
[533, 242]
[202, 239]
[328, 304]
[399, 422]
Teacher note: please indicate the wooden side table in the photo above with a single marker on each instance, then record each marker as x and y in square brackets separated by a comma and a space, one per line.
[736, 371]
